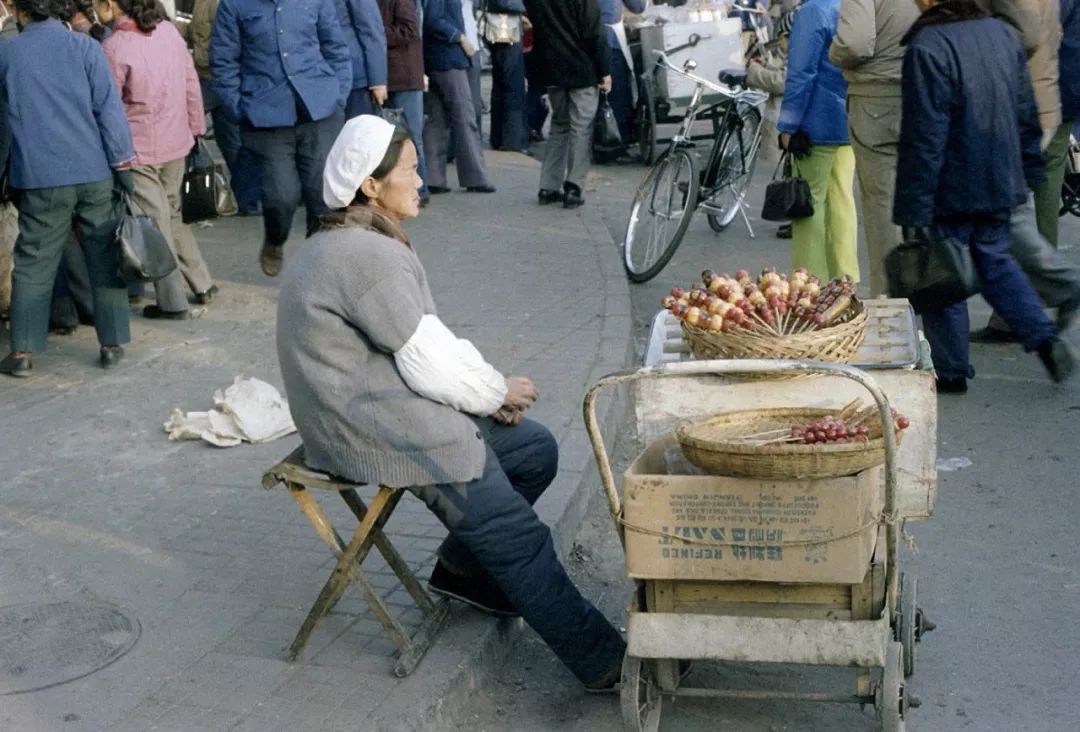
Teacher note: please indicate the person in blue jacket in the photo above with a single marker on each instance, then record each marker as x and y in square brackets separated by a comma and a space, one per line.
[362, 26]
[447, 55]
[813, 127]
[623, 83]
[284, 72]
[70, 143]
[969, 152]
[501, 27]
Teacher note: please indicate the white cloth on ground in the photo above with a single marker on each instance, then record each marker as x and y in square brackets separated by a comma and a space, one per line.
[248, 411]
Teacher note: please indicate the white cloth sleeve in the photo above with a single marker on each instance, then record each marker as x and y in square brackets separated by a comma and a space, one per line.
[444, 368]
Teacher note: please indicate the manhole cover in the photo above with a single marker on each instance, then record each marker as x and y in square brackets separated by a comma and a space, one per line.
[45, 644]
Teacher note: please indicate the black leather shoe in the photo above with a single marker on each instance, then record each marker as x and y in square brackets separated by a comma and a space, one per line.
[204, 298]
[784, 232]
[992, 335]
[436, 190]
[952, 386]
[546, 196]
[111, 356]
[480, 592]
[155, 313]
[572, 199]
[17, 366]
[488, 188]
[1057, 358]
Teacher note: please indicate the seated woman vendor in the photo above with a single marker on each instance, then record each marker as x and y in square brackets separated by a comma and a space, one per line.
[382, 392]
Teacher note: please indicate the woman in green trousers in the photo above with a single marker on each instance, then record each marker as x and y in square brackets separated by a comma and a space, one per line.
[813, 127]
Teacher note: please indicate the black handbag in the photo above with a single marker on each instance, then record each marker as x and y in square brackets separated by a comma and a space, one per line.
[606, 135]
[394, 116]
[931, 270]
[204, 193]
[144, 253]
[788, 197]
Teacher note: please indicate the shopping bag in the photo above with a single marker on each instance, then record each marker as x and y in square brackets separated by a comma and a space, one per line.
[394, 116]
[930, 270]
[788, 197]
[606, 135]
[144, 252]
[199, 190]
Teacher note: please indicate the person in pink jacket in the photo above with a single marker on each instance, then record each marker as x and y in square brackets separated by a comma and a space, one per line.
[160, 91]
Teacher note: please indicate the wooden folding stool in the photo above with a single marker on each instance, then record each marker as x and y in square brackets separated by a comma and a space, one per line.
[298, 478]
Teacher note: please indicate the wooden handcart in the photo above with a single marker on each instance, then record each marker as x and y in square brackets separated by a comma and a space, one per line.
[872, 626]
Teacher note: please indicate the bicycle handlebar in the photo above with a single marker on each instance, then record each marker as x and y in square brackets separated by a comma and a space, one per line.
[751, 96]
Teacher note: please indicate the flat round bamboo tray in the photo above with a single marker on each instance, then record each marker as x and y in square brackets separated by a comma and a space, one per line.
[838, 343]
[711, 445]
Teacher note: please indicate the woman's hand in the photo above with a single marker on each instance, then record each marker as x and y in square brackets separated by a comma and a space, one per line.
[520, 395]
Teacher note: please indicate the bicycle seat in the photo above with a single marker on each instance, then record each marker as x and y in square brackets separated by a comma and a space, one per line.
[734, 78]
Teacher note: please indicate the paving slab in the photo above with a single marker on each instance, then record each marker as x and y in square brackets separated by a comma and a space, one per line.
[99, 506]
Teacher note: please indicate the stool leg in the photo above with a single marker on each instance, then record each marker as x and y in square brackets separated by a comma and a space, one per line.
[397, 563]
[345, 568]
[318, 518]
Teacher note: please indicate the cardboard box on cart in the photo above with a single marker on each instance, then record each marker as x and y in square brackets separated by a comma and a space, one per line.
[681, 525]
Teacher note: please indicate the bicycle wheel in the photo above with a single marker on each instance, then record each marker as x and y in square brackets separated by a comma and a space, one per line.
[735, 169]
[659, 215]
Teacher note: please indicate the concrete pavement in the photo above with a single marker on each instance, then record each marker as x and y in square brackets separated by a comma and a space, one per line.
[97, 505]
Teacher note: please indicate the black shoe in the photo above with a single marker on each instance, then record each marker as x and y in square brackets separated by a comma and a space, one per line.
[480, 592]
[487, 188]
[155, 313]
[271, 258]
[609, 683]
[110, 356]
[546, 196]
[572, 197]
[784, 232]
[992, 335]
[257, 211]
[204, 298]
[952, 386]
[1057, 358]
[17, 366]
[424, 201]
[62, 330]
[436, 190]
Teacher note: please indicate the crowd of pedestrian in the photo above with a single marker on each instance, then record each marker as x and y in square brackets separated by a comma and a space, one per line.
[108, 126]
[953, 115]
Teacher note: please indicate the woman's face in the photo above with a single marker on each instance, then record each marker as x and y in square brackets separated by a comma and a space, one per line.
[396, 194]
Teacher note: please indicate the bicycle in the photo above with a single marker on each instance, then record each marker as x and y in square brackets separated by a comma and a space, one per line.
[674, 187]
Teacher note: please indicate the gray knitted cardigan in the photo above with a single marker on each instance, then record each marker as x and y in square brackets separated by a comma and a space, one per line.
[350, 297]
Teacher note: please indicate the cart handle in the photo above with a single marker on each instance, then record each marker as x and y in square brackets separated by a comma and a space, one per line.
[722, 367]
[751, 96]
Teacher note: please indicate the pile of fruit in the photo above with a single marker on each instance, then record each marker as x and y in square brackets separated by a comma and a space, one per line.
[773, 304]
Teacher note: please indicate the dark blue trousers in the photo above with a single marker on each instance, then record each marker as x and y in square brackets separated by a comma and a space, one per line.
[494, 530]
[620, 98]
[1003, 285]
[291, 161]
[508, 128]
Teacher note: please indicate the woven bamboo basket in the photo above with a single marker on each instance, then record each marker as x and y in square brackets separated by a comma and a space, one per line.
[711, 445]
[838, 343]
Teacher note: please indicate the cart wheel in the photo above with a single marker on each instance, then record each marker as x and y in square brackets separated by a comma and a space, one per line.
[908, 621]
[640, 697]
[646, 121]
[890, 698]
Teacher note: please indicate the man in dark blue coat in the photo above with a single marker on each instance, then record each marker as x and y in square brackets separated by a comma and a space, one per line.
[284, 72]
[969, 151]
[362, 26]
